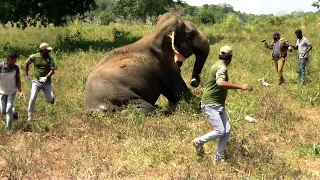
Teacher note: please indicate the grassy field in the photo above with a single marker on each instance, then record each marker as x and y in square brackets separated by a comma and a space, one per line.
[283, 143]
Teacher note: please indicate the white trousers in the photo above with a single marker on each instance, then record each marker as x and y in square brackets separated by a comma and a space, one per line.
[218, 118]
[35, 89]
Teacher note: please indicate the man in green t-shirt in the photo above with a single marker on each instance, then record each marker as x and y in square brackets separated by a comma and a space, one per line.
[213, 104]
[43, 70]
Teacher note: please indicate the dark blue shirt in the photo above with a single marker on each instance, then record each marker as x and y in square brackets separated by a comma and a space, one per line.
[276, 50]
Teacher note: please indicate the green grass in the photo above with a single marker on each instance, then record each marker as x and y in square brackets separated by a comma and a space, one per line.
[282, 144]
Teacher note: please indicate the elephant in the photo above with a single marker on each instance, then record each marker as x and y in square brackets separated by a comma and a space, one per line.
[140, 72]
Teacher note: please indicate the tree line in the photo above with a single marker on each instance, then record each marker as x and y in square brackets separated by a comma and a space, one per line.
[147, 11]
[22, 13]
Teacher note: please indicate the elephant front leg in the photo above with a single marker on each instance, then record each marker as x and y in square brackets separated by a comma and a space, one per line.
[175, 89]
[187, 96]
[173, 99]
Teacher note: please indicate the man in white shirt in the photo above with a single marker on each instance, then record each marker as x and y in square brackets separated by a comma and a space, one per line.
[304, 46]
[9, 84]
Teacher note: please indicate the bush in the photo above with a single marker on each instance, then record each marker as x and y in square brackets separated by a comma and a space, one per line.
[70, 41]
[231, 23]
[106, 17]
[276, 20]
[205, 17]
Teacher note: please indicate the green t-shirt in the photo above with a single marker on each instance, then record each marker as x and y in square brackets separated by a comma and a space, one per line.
[212, 93]
[42, 66]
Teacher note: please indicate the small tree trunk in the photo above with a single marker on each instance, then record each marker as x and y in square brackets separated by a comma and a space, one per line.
[144, 19]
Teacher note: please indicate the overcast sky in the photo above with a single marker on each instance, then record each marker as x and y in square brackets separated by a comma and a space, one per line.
[261, 6]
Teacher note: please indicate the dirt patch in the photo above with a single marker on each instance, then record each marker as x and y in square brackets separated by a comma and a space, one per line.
[308, 128]
[312, 114]
[311, 167]
[17, 142]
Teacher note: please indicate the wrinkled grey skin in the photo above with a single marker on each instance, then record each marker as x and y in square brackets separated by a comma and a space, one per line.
[139, 72]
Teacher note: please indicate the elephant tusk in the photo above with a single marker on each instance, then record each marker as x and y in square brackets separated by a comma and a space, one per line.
[177, 56]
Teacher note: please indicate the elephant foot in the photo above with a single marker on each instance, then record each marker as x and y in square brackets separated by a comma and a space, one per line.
[170, 108]
[143, 106]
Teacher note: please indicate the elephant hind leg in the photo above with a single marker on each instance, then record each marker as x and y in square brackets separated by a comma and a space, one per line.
[143, 106]
[103, 108]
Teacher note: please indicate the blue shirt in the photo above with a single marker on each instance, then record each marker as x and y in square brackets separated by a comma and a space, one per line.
[276, 50]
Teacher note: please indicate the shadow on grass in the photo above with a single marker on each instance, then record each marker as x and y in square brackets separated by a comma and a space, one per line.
[69, 43]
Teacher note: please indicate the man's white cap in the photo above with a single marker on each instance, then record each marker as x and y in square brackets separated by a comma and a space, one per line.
[225, 50]
[44, 46]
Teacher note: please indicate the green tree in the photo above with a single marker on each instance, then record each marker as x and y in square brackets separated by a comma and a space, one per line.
[232, 22]
[141, 9]
[28, 12]
[316, 4]
[189, 10]
[102, 5]
[205, 16]
[106, 17]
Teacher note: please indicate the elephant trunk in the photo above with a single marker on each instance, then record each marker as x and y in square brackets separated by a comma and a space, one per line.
[201, 51]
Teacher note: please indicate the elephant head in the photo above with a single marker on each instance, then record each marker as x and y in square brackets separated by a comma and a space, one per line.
[186, 40]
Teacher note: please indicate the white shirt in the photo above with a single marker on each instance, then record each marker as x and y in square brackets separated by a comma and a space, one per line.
[303, 45]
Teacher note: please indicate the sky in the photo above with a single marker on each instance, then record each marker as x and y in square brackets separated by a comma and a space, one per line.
[261, 6]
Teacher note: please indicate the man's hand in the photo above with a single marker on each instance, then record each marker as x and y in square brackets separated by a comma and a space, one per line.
[21, 95]
[303, 58]
[246, 87]
[28, 78]
[42, 79]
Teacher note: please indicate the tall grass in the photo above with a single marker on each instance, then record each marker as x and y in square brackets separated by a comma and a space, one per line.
[282, 144]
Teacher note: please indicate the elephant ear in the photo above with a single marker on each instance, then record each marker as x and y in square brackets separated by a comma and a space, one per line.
[190, 29]
[176, 55]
